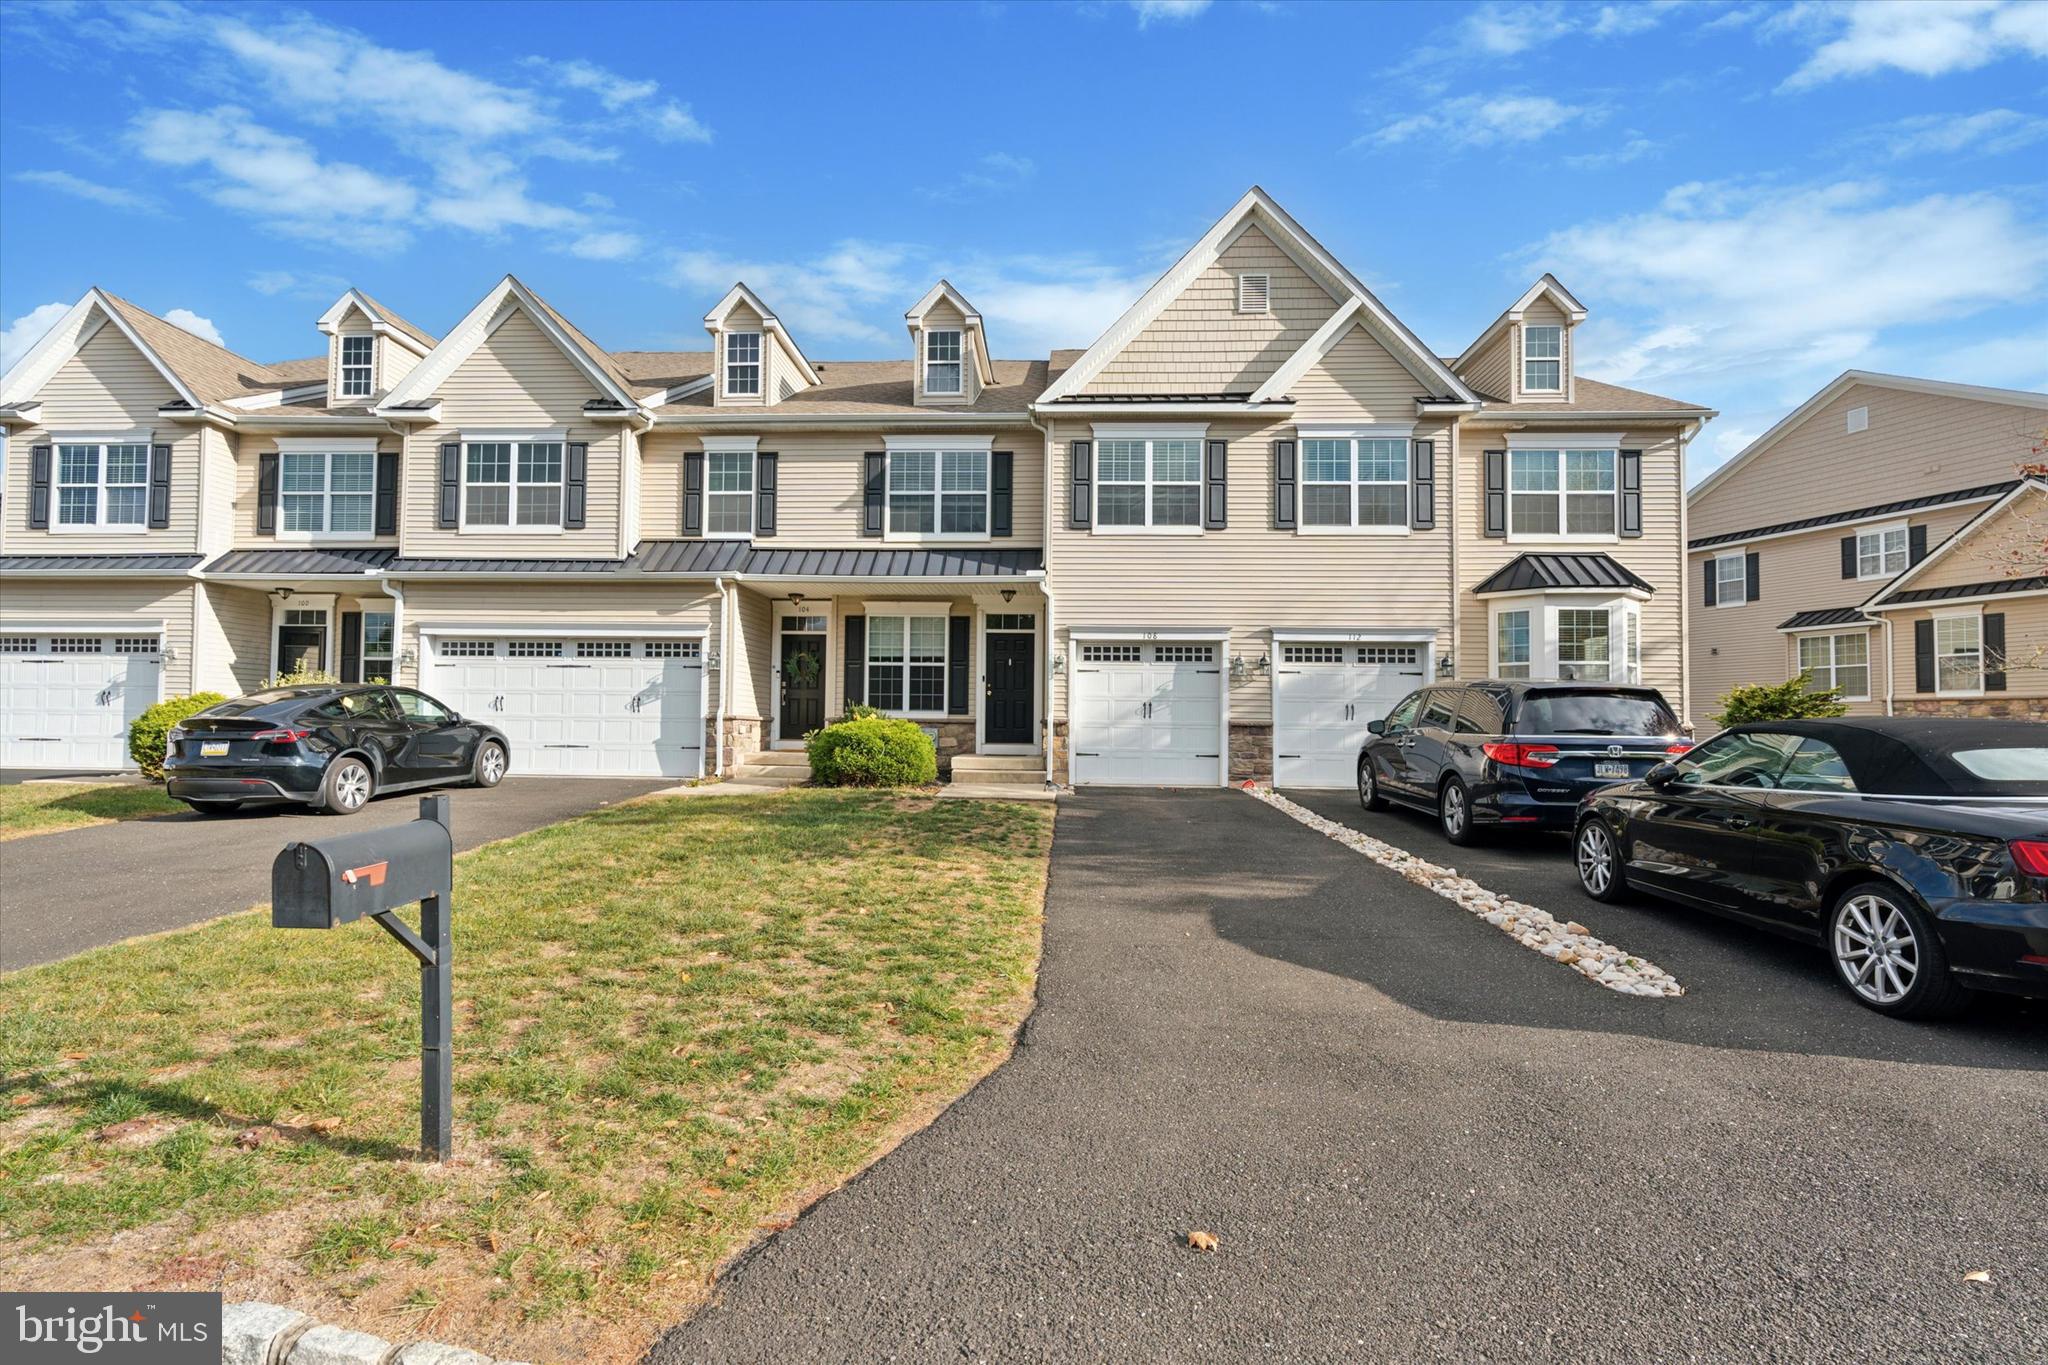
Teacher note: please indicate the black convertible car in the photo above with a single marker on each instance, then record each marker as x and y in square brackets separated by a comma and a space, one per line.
[1915, 851]
[329, 747]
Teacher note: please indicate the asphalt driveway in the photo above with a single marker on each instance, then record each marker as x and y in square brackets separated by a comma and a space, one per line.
[65, 892]
[1415, 1140]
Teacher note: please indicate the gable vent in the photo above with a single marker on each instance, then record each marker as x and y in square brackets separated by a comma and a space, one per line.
[1859, 419]
[1254, 293]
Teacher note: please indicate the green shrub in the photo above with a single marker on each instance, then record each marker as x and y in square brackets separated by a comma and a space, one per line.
[858, 712]
[146, 734]
[1780, 701]
[308, 677]
[872, 751]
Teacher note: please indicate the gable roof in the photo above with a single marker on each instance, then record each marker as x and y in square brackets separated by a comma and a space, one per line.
[476, 327]
[1546, 286]
[1841, 383]
[1894, 593]
[977, 335]
[1291, 237]
[412, 338]
[739, 294]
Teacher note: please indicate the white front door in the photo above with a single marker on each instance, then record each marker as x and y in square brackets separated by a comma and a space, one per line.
[1146, 715]
[586, 708]
[67, 699]
[1323, 696]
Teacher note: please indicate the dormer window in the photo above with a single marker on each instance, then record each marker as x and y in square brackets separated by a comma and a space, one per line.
[1254, 293]
[1543, 359]
[742, 364]
[357, 356]
[942, 362]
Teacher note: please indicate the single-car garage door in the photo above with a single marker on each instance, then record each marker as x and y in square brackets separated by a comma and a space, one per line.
[1146, 714]
[1323, 695]
[602, 707]
[68, 697]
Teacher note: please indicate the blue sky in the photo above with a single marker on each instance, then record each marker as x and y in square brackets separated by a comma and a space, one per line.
[1749, 198]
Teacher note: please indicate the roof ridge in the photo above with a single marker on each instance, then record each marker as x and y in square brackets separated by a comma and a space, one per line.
[137, 309]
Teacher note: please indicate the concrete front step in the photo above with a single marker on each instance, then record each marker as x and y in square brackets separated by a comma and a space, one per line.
[774, 774]
[994, 767]
[780, 758]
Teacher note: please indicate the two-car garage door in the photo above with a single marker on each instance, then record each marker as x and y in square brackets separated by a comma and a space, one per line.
[1147, 714]
[604, 706]
[1324, 694]
[68, 696]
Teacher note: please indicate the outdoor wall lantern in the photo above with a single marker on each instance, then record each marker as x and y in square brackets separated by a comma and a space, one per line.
[1243, 666]
[1059, 662]
[1445, 667]
[408, 657]
[1009, 595]
[796, 600]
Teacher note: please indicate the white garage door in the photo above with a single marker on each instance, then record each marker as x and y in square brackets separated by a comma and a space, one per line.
[66, 699]
[587, 708]
[1323, 695]
[1147, 715]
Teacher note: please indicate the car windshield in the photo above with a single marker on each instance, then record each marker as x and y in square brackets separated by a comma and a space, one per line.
[1594, 713]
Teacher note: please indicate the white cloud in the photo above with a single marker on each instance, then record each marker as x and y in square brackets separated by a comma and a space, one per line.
[1152, 12]
[834, 297]
[1634, 148]
[1913, 36]
[196, 325]
[613, 91]
[1485, 120]
[2015, 361]
[633, 100]
[991, 173]
[606, 246]
[25, 331]
[1991, 133]
[295, 285]
[64, 182]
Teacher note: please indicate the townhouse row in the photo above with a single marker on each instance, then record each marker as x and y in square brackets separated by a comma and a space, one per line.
[1213, 545]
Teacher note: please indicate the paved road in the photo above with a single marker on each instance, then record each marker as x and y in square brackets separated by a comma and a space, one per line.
[62, 893]
[1416, 1140]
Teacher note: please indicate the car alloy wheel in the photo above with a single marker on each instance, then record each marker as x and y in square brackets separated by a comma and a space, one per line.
[350, 786]
[490, 765]
[1456, 812]
[1368, 788]
[1596, 859]
[1876, 949]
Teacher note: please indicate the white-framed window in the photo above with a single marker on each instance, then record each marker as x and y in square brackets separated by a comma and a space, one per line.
[1311, 654]
[378, 637]
[1543, 359]
[942, 362]
[938, 493]
[1731, 579]
[1883, 551]
[1568, 637]
[102, 485]
[330, 493]
[533, 649]
[1843, 661]
[674, 649]
[1110, 654]
[1148, 483]
[1184, 654]
[1254, 293]
[358, 362]
[1511, 644]
[604, 649]
[1585, 644]
[468, 649]
[907, 664]
[513, 484]
[742, 364]
[1563, 493]
[77, 644]
[728, 493]
[1390, 654]
[1356, 483]
[1959, 655]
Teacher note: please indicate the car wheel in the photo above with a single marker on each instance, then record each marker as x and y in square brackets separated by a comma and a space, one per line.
[1599, 861]
[1454, 812]
[490, 764]
[1369, 797]
[347, 787]
[215, 807]
[1887, 953]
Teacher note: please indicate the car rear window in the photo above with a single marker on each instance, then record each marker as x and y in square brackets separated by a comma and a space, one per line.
[2019, 763]
[255, 701]
[1594, 713]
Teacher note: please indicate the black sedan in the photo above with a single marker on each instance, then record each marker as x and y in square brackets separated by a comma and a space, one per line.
[1914, 851]
[330, 748]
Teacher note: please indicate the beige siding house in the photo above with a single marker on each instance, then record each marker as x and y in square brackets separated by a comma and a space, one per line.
[1835, 543]
[1214, 545]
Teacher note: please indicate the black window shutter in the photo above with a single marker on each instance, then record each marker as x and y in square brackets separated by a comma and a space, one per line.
[1423, 470]
[765, 468]
[1923, 655]
[1283, 485]
[956, 664]
[575, 480]
[874, 495]
[1916, 545]
[856, 672]
[387, 493]
[1848, 556]
[1001, 475]
[693, 493]
[1081, 480]
[1994, 651]
[1713, 583]
[451, 486]
[1216, 486]
[39, 488]
[159, 487]
[351, 646]
[266, 494]
[1753, 576]
[1632, 493]
[1497, 493]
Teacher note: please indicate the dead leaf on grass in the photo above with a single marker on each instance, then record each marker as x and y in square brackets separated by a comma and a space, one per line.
[1977, 1277]
[1202, 1241]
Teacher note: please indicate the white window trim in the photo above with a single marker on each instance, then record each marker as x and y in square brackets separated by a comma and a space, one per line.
[1741, 558]
[1605, 443]
[1880, 531]
[982, 630]
[309, 601]
[1970, 613]
[1526, 329]
[338, 445]
[1307, 432]
[714, 448]
[905, 611]
[369, 608]
[1850, 422]
[959, 362]
[1197, 432]
[760, 364]
[1622, 670]
[100, 526]
[936, 446]
[342, 367]
[1834, 639]
[493, 436]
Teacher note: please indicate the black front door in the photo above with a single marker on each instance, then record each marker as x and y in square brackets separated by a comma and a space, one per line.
[301, 649]
[1007, 719]
[803, 685]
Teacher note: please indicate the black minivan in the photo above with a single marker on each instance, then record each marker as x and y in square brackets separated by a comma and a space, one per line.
[1513, 753]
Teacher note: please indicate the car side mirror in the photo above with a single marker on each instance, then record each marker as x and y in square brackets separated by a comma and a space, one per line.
[1375, 727]
[1663, 775]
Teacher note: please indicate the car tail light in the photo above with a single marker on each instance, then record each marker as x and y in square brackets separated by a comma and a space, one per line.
[2032, 856]
[280, 736]
[1521, 755]
[1681, 747]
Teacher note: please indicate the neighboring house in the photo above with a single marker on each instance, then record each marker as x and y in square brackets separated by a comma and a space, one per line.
[1880, 538]
[1249, 519]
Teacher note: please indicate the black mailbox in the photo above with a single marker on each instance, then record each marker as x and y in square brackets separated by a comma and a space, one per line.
[330, 882]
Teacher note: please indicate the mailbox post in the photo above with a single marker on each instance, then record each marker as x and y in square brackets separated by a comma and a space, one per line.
[326, 883]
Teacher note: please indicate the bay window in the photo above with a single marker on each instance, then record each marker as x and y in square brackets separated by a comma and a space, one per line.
[906, 664]
[512, 483]
[103, 485]
[742, 364]
[1832, 661]
[1958, 654]
[1148, 483]
[1882, 553]
[942, 362]
[1562, 493]
[728, 493]
[1511, 640]
[326, 492]
[1543, 359]
[1570, 638]
[938, 492]
[1585, 644]
[1354, 482]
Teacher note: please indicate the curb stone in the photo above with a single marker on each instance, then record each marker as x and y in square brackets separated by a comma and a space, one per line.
[258, 1333]
[329, 1345]
[270, 1334]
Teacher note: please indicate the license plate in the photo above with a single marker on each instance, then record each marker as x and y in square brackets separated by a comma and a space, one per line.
[1610, 770]
[214, 749]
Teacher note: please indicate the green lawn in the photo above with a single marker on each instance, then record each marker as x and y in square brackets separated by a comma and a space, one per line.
[676, 1021]
[45, 807]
